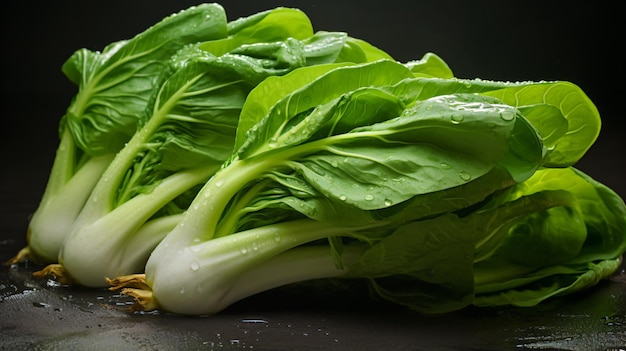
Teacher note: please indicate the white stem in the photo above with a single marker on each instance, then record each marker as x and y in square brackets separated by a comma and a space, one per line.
[207, 277]
[53, 219]
[296, 265]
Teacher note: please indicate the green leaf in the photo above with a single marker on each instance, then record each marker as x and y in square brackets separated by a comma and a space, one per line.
[359, 51]
[115, 85]
[563, 248]
[602, 210]
[270, 91]
[266, 26]
[549, 282]
[430, 65]
[424, 150]
[302, 91]
[581, 115]
[324, 47]
[425, 265]
[548, 104]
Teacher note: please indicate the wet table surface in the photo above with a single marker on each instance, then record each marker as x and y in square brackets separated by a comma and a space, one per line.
[39, 314]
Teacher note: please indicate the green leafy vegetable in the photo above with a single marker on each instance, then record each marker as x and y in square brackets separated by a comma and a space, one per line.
[354, 140]
[204, 161]
[113, 89]
[185, 136]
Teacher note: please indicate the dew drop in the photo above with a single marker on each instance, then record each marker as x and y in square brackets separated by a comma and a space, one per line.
[369, 197]
[464, 175]
[445, 165]
[456, 119]
[195, 266]
[219, 183]
[507, 115]
[277, 238]
[181, 290]
[343, 197]
[243, 250]
[388, 202]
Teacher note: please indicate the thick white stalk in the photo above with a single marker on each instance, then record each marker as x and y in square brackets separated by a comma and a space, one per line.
[117, 243]
[53, 219]
[206, 277]
[299, 264]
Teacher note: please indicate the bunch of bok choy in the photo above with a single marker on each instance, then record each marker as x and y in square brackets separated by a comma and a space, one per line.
[267, 154]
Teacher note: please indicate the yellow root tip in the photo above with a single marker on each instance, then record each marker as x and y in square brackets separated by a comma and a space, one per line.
[54, 271]
[135, 286]
[144, 299]
[128, 281]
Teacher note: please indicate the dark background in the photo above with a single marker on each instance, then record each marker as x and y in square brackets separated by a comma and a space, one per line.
[581, 42]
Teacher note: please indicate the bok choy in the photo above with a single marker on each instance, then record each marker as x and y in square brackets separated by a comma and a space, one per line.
[356, 172]
[205, 161]
[187, 132]
[113, 89]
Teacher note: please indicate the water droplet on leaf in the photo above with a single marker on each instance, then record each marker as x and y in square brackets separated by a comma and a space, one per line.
[507, 115]
[465, 176]
[456, 119]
